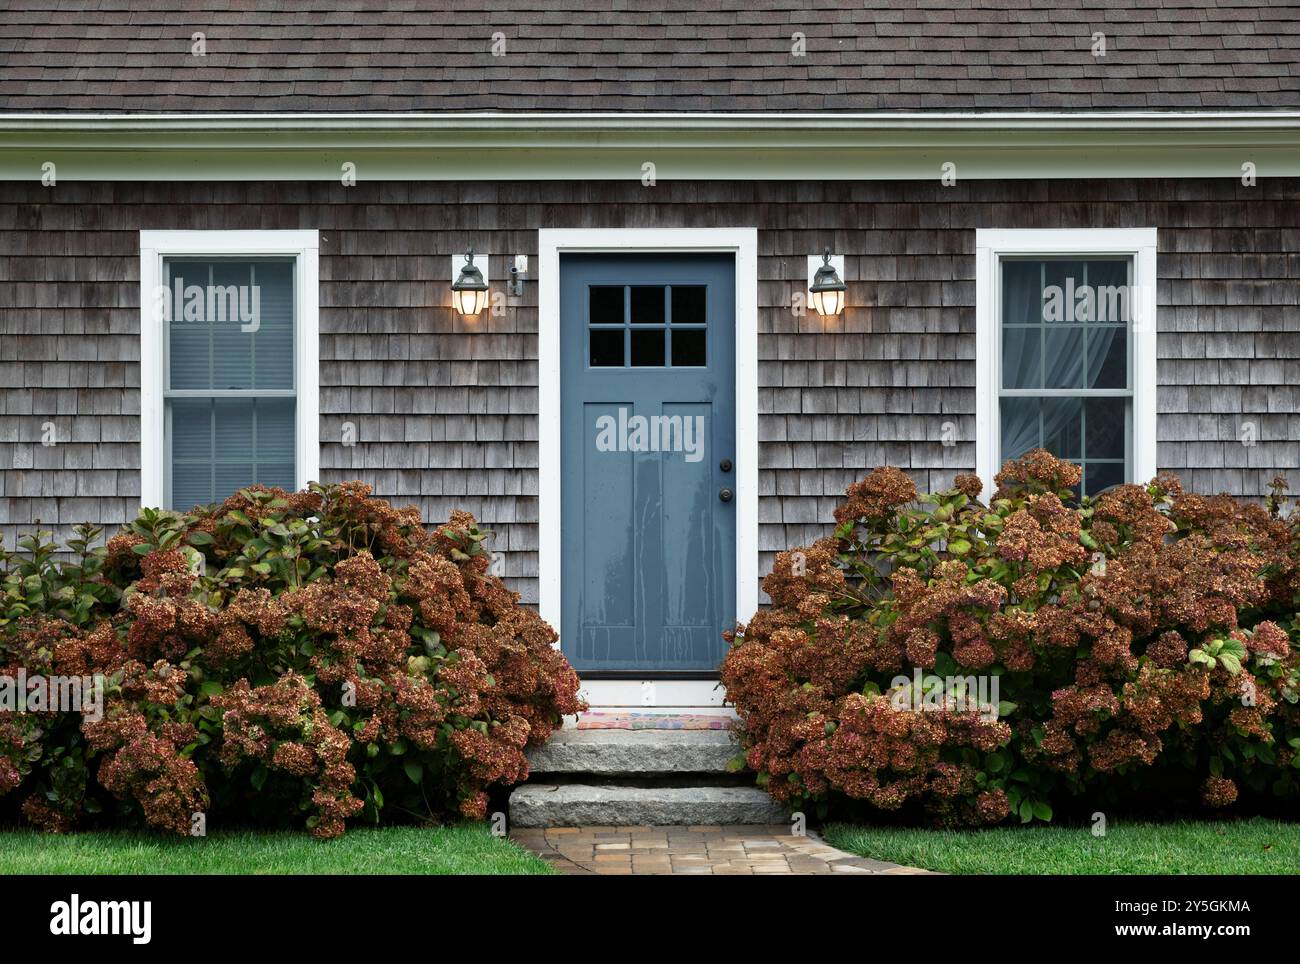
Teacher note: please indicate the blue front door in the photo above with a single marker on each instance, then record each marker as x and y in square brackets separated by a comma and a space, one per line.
[649, 429]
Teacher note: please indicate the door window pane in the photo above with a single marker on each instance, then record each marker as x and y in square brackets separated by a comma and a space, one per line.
[648, 305]
[689, 347]
[606, 305]
[606, 347]
[688, 305]
[647, 347]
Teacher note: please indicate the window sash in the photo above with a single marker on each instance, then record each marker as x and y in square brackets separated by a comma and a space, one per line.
[169, 261]
[1044, 326]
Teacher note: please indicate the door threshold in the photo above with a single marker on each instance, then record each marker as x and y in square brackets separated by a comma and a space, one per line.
[722, 712]
[654, 695]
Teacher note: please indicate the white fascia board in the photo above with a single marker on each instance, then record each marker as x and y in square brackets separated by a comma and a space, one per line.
[699, 122]
[540, 146]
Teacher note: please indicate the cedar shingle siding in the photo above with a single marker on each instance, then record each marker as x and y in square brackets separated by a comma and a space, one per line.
[656, 55]
[445, 409]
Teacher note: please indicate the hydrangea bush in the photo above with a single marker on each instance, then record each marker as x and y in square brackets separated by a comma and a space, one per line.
[1139, 640]
[281, 657]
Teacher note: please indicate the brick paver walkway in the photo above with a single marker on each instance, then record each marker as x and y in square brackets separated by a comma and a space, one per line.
[694, 850]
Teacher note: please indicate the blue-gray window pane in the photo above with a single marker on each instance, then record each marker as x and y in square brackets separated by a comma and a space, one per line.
[275, 434]
[191, 485]
[1098, 476]
[1021, 292]
[191, 423]
[232, 359]
[1109, 280]
[1021, 430]
[220, 445]
[1063, 357]
[1106, 427]
[1022, 354]
[1107, 356]
[1068, 276]
[274, 344]
[190, 349]
[230, 477]
[1062, 432]
[233, 433]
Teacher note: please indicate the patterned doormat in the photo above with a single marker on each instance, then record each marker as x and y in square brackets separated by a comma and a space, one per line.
[652, 721]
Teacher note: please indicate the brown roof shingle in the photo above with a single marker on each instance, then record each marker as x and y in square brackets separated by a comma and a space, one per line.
[648, 55]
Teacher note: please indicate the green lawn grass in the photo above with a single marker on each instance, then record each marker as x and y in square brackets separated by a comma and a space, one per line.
[463, 849]
[1219, 847]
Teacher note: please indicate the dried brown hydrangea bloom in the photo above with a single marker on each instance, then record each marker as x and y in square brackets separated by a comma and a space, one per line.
[1036, 471]
[1219, 792]
[876, 497]
[968, 485]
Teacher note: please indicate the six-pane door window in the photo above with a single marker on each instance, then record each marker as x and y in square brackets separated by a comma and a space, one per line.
[230, 386]
[1066, 382]
[647, 326]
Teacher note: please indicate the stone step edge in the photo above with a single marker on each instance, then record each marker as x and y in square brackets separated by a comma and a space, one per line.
[635, 752]
[576, 805]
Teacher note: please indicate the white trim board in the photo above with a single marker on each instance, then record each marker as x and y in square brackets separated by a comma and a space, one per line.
[614, 146]
[304, 246]
[743, 243]
[993, 243]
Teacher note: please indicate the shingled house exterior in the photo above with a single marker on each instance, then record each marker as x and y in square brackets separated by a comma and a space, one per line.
[1073, 225]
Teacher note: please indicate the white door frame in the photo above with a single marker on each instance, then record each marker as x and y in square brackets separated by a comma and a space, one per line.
[743, 244]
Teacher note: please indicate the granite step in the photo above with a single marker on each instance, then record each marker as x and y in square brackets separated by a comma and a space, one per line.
[612, 805]
[614, 753]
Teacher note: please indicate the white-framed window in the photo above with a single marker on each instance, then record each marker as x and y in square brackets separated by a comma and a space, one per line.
[1066, 350]
[229, 363]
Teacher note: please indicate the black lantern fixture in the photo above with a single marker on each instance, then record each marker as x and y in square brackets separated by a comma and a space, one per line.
[827, 290]
[469, 292]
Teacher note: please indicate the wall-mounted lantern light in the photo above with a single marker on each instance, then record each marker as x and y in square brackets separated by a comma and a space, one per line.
[469, 292]
[826, 293]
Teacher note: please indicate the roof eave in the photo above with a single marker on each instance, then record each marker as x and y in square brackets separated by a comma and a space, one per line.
[680, 145]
